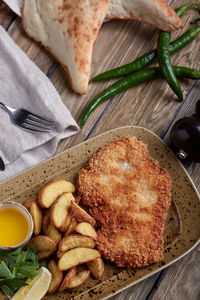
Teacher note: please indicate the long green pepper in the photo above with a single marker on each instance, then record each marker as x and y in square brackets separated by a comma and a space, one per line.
[150, 57]
[164, 54]
[131, 81]
[148, 74]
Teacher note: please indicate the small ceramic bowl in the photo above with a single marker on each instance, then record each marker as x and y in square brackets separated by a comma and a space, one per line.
[26, 213]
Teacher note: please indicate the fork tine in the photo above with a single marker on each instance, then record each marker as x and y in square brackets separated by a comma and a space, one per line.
[37, 123]
[40, 119]
[33, 128]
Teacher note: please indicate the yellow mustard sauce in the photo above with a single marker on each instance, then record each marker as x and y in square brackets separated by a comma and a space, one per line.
[14, 227]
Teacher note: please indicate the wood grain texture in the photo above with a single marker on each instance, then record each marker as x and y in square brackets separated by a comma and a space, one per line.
[6, 16]
[151, 105]
[178, 281]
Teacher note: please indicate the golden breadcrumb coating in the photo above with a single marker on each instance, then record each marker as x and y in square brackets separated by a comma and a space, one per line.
[128, 194]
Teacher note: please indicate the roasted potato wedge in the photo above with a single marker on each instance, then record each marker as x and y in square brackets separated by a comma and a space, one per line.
[49, 193]
[46, 221]
[53, 233]
[56, 277]
[67, 280]
[96, 267]
[71, 227]
[81, 215]
[37, 217]
[29, 201]
[79, 279]
[59, 211]
[43, 245]
[74, 241]
[76, 256]
[86, 229]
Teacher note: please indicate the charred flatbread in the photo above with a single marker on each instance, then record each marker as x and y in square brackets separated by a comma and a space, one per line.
[68, 29]
[155, 12]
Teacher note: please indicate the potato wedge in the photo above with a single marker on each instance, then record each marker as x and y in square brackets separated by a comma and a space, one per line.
[71, 227]
[53, 233]
[74, 241]
[79, 279]
[37, 217]
[46, 221]
[59, 212]
[29, 201]
[86, 229]
[56, 277]
[76, 256]
[66, 223]
[43, 245]
[96, 267]
[67, 280]
[81, 215]
[49, 193]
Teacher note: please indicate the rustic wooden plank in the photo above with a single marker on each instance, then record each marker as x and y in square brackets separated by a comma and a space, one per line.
[139, 291]
[6, 15]
[181, 280]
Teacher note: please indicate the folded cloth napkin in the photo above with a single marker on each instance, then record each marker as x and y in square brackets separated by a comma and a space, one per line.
[23, 85]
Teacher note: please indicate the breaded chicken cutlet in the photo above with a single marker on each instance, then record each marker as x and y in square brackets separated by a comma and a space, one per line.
[128, 194]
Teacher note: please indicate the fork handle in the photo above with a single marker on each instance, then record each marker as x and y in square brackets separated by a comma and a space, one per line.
[5, 107]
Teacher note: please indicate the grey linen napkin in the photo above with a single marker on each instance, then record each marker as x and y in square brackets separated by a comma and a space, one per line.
[22, 84]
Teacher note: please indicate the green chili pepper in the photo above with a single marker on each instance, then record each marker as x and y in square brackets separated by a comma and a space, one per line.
[164, 54]
[165, 64]
[149, 58]
[182, 9]
[131, 81]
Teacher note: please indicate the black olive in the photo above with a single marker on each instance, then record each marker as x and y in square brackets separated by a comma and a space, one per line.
[185, 137]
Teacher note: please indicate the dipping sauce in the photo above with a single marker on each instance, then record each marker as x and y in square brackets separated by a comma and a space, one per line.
[14, 227]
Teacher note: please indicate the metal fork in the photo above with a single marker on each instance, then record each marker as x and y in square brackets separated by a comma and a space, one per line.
[27, 120]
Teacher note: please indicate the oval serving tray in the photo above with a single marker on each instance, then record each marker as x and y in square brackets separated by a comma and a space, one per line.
[182, 228]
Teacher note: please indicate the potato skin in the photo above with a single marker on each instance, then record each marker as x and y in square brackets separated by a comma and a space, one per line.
[67, 280]
[53, 233]
[60, 211]
[79, 279]
[75, 241]
[43, 245]
[57, 277]
[76, 256]
[37, 217]
[86, 229]
[81, 215]
[47, 194]
[96, 267]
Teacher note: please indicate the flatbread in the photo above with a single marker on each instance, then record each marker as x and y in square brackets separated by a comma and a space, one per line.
[68, 29]
[155, 12]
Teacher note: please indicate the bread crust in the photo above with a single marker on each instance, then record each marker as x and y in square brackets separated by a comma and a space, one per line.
[153, 12]
[68, 31]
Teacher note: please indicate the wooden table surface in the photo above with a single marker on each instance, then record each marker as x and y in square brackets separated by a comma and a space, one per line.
[151, 105]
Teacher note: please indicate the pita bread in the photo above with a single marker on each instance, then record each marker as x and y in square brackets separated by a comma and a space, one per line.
[155, 12]
[68, 29]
